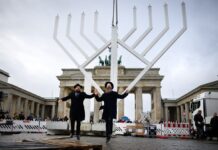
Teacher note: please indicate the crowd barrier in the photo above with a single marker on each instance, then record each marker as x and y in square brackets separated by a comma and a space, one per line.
[173, 129]
[163, 130]
[17, 126]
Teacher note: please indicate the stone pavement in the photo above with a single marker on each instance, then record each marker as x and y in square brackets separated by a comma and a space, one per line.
[125, 142]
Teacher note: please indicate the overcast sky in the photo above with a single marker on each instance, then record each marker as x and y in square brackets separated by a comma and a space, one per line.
[33, 60]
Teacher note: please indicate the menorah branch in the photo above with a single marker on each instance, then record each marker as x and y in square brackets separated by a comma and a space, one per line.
[71, 39]
[72, 58]
[96, 28]
[163, 51]
[133, 29]
[147, 31]
[98, 52]
[161, 34]
[140, 57]
[82, 32]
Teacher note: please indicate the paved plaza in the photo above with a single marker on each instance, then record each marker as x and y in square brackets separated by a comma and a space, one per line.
[124, 142]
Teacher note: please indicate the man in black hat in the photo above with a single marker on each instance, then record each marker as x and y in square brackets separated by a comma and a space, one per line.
[214, 126]
[110, 106]
[77, 112]
[199, 123]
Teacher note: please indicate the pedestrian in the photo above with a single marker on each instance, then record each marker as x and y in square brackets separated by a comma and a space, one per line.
[65, 118]
[16, 117]
[199, 124]
[110, 106]
[30, 117]
[77, 112]
[214, 126]
[21, 116]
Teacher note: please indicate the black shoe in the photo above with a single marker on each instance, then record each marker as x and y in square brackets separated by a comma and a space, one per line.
[108, 139]
[78, 137]
[71, 135]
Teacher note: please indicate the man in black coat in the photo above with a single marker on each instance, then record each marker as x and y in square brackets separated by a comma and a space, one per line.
[21, 116]
[77, 112]
[110, 107]
[199, 124]
[214, 126]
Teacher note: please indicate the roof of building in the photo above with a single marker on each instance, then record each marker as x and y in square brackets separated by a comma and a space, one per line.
[4, 73]
[5, 85]
[170, 100]
[208, 86]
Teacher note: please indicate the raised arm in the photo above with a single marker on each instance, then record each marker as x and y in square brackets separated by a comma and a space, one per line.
[66, 98]
[121, 96]
[99, 99]
[88, 96]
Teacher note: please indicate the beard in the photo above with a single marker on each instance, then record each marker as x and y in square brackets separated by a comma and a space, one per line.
[77, 91]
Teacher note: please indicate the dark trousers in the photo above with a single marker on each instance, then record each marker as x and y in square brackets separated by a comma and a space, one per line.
[213, 132]
[78, 123]
[200, 132]
[109, 126]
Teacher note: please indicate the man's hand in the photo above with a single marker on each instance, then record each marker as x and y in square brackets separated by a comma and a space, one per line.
[95, 92]
[60, 100]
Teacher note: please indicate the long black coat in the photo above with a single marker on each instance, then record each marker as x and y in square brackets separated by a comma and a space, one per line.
[198, 120]
[214, 123]
[77, 111]
[110, 103]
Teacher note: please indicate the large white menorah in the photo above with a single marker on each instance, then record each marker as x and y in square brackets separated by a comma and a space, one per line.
[114, 41]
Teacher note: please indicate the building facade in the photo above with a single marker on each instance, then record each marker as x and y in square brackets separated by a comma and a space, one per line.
[179, 109]
[16, 100]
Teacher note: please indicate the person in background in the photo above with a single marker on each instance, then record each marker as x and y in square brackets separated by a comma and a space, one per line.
[21, 116]
[199, 124]
[30, 117]
[65, 118]
[214, 126]
[16, 117]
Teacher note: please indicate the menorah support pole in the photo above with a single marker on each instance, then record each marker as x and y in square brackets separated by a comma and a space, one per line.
[114, 65]
[87, 89]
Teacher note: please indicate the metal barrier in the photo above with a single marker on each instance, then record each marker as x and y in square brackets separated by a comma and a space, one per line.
[166, 129]
[122, 128]
[23, 126]
[173, 129]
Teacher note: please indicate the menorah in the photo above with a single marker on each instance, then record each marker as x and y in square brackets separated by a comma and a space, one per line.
[115, 41]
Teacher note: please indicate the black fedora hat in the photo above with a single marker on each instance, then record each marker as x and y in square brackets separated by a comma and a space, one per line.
[77, 85]
[112, 85]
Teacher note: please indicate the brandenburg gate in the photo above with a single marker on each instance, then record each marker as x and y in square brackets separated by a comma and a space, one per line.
[150, 83]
